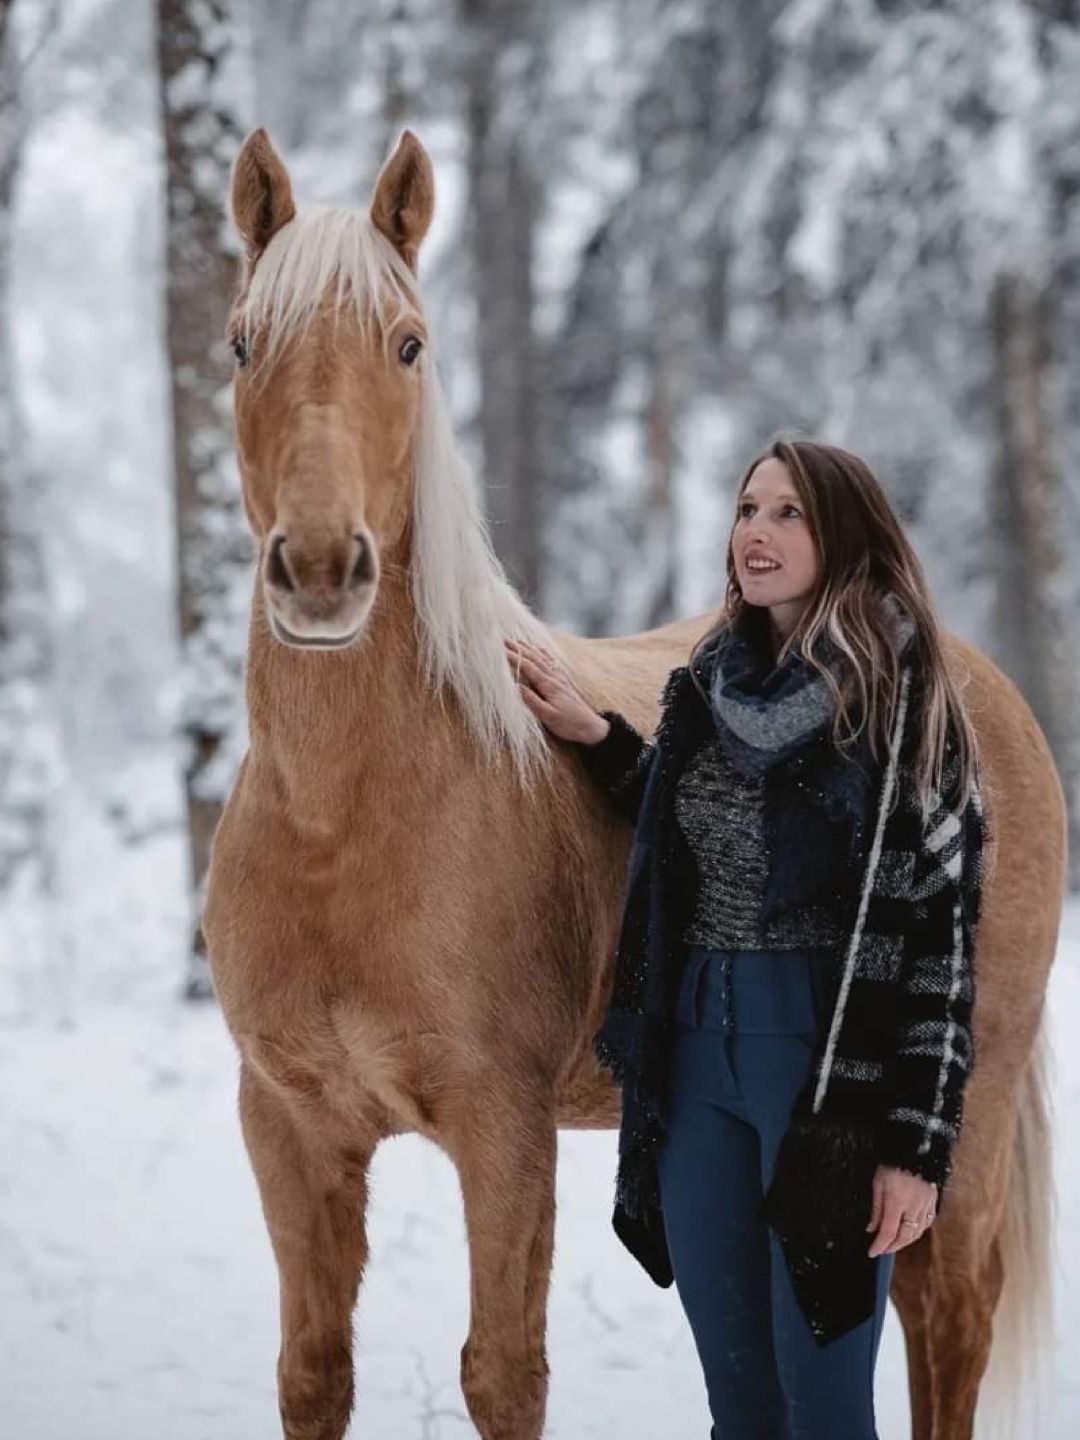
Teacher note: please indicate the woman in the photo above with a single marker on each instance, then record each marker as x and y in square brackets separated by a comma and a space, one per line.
[790, 1019]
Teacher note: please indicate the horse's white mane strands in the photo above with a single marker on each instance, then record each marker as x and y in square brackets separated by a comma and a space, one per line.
[464, 604]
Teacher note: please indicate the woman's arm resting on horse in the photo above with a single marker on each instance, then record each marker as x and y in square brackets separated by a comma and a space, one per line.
[616, 757]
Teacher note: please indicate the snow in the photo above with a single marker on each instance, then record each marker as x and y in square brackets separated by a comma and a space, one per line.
[138, 1293]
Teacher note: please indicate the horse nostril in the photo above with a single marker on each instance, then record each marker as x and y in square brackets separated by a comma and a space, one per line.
[276, 571]
[363, 571]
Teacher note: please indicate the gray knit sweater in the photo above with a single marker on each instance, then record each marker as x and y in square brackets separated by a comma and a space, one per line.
[720, 811]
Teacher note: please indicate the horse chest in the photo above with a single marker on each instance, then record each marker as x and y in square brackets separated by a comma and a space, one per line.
[276, 887]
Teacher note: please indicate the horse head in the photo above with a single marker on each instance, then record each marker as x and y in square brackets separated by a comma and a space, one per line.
[329, 340]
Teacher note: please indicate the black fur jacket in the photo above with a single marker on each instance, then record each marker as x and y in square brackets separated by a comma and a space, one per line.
[887, 1084]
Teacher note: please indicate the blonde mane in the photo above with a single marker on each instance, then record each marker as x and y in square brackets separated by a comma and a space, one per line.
[464, 603]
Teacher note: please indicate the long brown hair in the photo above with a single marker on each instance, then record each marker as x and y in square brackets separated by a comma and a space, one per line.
[868, 568]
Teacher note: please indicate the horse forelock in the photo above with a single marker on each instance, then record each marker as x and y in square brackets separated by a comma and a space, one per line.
[464, 604]
[326, 253]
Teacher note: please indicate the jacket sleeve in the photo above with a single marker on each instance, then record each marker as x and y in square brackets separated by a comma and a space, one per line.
[619, 764]
[928, 1072]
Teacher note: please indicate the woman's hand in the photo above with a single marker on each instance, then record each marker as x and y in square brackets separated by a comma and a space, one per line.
[904, 1208]
[549, 692]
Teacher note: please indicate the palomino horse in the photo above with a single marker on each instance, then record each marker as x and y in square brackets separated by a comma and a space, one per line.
[414, 895]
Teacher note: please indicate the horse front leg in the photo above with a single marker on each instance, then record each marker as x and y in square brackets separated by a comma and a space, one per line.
[313, 1190]
[505, 1155]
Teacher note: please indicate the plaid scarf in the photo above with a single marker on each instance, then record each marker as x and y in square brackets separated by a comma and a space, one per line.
[763, 712]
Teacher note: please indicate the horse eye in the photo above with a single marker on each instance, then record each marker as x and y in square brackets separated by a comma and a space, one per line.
[410, 350]
[240, 350]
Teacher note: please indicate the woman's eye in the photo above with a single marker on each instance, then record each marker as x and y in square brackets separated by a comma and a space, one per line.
[792, 510]
[410, 350]
[240, 350]
[746, 510]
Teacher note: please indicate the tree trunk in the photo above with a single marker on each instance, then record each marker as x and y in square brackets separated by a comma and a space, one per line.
[1036, 638]
[397, 102]
[202, 135]
[659, 538]
[503, 201]
[26, 734]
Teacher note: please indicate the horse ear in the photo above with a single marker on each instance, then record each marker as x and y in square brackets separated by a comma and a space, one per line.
[262, 198]
[404, 198]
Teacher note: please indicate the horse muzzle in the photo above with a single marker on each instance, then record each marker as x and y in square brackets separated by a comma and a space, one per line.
[319, 602]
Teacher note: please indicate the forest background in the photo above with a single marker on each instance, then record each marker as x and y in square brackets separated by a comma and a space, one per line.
[666, 230]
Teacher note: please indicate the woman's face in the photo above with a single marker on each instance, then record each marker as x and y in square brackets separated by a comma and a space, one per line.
[776, 561]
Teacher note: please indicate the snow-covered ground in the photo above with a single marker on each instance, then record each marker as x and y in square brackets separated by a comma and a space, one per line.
[138, 1292]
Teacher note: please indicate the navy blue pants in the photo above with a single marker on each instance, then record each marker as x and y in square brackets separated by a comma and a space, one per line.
[747, 1026]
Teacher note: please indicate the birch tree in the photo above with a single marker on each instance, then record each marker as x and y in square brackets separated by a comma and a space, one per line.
[202, 131]
[27, 751]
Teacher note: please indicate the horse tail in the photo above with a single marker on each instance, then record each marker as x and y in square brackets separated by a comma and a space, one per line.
[1024, 1323]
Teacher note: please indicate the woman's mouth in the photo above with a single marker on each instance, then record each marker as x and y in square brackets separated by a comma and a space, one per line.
[760, 564]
